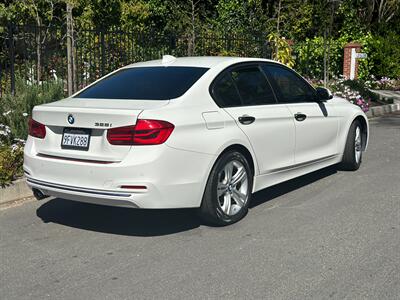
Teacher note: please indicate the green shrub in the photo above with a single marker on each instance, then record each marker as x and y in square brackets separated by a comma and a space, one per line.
[385, 53]
[310, 57]
[11, 156]
[283, 52]
[14, 113]
[14, 110]
[11, 161]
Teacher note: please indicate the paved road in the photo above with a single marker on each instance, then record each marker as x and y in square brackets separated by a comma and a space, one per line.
[325, 235]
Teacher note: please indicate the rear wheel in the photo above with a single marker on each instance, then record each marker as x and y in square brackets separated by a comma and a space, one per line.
[352, 155]
[228, 190]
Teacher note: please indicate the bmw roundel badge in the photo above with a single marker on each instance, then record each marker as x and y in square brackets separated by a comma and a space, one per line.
[71, 119]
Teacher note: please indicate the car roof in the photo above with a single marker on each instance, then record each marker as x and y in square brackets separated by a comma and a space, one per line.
[195, 61]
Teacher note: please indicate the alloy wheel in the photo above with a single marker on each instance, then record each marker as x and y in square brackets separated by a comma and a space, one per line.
[357, 145]
[232, 188]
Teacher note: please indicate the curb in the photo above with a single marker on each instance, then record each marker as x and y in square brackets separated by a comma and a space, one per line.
[378, 111]
[17, 190]
[387, 95]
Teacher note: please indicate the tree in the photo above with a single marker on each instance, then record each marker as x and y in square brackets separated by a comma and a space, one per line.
[135, 15]
[105, 13]
[42, 12]
[191, 14]
[241, 17]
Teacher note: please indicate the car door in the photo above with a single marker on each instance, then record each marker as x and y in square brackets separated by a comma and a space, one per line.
[244, 92]
[316, 123]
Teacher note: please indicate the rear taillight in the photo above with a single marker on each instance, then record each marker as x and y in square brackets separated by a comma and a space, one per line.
[152, 132]
[36, 129]
[121, 135]
[145, 132]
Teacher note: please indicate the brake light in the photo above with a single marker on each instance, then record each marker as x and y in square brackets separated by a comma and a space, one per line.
[36, 129]
[121, 135]
[152, 132]
[145, 132]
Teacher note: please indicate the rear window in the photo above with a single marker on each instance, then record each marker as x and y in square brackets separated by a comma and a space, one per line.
[147, 83]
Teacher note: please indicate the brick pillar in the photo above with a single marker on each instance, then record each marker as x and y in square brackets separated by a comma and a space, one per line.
[348, 49]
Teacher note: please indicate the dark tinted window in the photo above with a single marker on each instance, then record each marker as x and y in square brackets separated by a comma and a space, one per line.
[291, 87]
[149, 83]
[252, 86]
[225, 93]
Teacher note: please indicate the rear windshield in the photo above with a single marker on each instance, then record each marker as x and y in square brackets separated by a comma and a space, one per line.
[147, 83]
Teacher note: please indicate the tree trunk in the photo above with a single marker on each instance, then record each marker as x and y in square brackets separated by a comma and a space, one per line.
[38, 51]
[74, 70]
[277, 28]
[325, 56]
[193, 28]
[329, 41]
[69, 50]
[192, 35]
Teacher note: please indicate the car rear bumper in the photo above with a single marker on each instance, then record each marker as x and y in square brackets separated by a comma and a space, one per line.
[96, 196]
[172, 178]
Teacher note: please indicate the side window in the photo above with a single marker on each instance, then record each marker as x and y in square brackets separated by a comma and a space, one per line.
[253, 87]
[291, 87]
[225, 93]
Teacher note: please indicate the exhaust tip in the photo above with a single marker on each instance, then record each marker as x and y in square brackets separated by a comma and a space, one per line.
[38, 194]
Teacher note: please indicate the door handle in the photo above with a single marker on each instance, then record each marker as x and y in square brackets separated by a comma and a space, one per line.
[300, 117]
[246, 120]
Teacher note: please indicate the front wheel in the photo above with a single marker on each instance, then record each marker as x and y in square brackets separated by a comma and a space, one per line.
[352, 155]
[228, 190]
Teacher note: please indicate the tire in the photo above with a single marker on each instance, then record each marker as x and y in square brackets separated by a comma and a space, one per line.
[226, 198]
[352, 156]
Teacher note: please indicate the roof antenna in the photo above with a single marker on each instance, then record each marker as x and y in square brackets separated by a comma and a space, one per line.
[166, 59]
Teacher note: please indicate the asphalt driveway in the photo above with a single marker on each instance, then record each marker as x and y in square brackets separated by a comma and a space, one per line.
[325, 235]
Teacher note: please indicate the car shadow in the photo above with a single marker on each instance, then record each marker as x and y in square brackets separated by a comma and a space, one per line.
[136, 222]
[117, 220]
[280, 189]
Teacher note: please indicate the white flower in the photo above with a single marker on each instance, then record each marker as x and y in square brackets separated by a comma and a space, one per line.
[5, 130]
[25, 114]
[7, 113]
[20, 141]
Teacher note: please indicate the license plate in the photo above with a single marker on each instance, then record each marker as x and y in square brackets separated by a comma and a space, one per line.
[77, 139]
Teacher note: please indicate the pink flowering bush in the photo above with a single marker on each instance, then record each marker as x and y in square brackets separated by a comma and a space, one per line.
[343, 88]
[361, 103]
[385, 83]
[359, 92]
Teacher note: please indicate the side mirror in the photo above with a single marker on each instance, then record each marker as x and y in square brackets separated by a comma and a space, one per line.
[323, 94]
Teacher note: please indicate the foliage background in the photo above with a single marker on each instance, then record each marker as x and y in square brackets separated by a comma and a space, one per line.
[310, 25]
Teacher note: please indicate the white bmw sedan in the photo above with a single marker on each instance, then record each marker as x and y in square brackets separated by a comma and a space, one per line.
[203, 132]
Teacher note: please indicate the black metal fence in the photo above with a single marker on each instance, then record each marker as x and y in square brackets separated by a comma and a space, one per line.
[39, 54]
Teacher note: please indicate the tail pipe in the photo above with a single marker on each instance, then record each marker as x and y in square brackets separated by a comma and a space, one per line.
[38, 194]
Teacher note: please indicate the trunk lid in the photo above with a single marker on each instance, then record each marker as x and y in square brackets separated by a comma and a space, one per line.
[97, 115]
